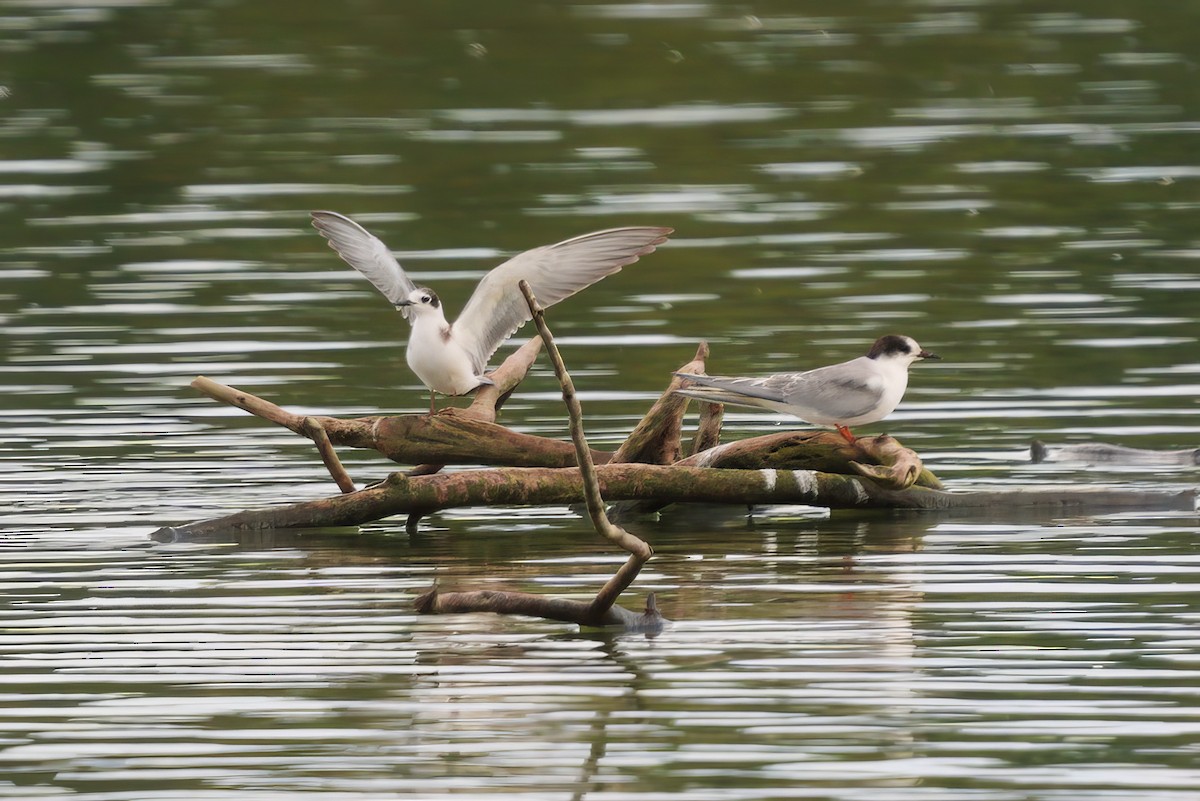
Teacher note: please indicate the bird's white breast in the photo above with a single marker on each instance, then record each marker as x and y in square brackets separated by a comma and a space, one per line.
[894, 378]
[439, 361]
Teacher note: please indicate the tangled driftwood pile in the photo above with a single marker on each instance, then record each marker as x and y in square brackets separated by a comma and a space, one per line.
[651, 470]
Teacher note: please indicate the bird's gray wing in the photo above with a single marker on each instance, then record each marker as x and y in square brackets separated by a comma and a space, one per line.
[840, 391]
[554, 272]
[366, 253]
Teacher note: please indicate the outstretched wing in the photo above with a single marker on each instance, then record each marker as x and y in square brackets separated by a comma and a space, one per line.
[366, 253]
[554, 272]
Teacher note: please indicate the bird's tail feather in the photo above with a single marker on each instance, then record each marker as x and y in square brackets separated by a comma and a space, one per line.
[746, 391]
[714, 395]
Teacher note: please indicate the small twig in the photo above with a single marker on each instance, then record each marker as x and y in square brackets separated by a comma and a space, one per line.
[313, 429]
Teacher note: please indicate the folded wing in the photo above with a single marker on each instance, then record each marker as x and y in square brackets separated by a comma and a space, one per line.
[554, 272]
[825, 393]
[366, 253]
[837, 392]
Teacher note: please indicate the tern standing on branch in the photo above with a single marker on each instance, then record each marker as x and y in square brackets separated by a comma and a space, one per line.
[450, 358]
[857, 392]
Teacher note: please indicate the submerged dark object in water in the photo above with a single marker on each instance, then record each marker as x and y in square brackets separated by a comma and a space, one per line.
[1103, 453]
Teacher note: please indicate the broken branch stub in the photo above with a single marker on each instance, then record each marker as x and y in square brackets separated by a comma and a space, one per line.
[708, 428]
[316, 432]
[656, 438]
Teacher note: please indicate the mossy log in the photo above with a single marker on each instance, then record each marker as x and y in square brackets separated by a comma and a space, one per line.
[519, 486]
[880, 458]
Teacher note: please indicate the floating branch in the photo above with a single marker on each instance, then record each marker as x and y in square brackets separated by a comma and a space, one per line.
[1103, 453]
[882, 459]
[650, 621]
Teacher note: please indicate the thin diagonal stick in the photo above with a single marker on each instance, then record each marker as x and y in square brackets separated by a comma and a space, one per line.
[639, 550]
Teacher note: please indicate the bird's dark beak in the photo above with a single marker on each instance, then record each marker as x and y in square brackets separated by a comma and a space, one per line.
[400, 304]
[924, 354]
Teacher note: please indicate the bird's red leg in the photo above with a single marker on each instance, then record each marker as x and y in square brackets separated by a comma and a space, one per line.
[846, 435]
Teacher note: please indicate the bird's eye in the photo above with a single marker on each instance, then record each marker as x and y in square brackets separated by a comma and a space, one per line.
[424, 298]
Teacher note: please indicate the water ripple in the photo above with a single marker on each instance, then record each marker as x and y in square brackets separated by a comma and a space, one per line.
[1013, 185]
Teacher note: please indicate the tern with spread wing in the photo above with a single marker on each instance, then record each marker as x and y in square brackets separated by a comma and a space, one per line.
[857, 392]
[450, 358]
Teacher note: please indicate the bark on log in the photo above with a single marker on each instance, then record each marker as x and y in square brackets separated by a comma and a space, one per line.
[823, 451]
[450, 437]
[708, 429]
[400, 494]
[488, 398]
[882, 459]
